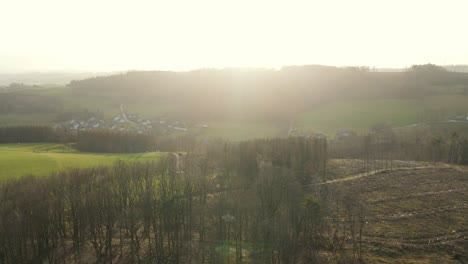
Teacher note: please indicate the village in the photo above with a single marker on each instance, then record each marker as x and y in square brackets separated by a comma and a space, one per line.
[129, 123]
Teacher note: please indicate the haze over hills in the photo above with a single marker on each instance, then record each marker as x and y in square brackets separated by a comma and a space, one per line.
[222, 132]
[46, 79]
[64, 77]
[251, 102]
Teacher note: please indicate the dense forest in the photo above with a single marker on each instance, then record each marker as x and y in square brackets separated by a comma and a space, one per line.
[33, 134]
[113, 142]
[224, 202]
[89, 141]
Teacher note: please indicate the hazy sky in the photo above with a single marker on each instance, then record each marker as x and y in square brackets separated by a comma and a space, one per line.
[109, 35]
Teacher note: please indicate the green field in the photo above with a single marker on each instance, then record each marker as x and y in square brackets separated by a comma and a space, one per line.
[237, 131]
[41, 159]
[360, 115]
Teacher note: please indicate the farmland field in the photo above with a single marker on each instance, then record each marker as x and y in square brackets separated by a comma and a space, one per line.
[41, 159]
[241, 130]
[360, 115]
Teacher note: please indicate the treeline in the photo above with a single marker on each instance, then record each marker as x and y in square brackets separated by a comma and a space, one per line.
[113, 141]
[273, 95]
[305, 157]
[380, 148]
[198, 212]
[33, 134]
[90, 141]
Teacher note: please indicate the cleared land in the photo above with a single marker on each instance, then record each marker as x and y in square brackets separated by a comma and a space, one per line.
[414, 215]
[41, 159]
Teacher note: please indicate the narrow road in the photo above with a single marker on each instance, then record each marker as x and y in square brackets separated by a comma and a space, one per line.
[122, 111]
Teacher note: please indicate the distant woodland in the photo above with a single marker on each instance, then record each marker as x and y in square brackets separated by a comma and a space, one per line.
[268, 94]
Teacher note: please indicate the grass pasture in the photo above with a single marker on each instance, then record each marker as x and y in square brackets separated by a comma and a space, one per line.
[17, 160]
[360, 115]
[238, 131]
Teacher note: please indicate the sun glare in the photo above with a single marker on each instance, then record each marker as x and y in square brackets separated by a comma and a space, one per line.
[181, 35]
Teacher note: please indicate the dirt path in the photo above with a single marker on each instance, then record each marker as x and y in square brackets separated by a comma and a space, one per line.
[366, 174]
[177, 157]
[435, 122]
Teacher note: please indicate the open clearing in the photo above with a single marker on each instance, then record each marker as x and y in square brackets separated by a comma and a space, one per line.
[41, 159]
[414, 215]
